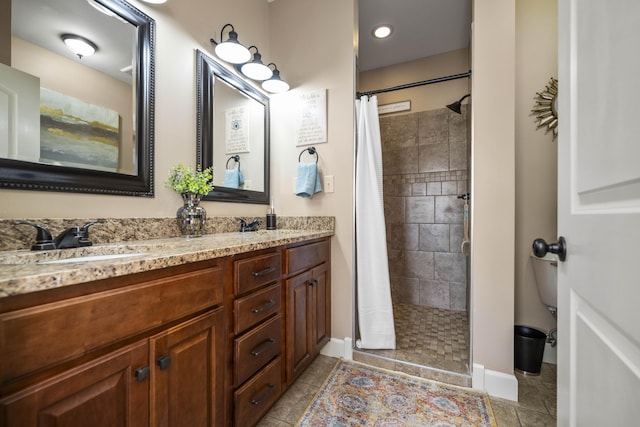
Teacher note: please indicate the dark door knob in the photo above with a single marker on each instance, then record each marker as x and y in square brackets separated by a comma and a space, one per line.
[540, 248]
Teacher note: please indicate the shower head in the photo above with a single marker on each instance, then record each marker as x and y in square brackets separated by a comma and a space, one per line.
[456, 107]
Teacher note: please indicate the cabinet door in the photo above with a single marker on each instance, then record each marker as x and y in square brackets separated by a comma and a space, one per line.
[299, 318]
[100, 393]
[187, 381]
[321, 308]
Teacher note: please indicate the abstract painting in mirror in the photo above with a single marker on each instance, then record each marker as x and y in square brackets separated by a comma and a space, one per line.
[77, 122]
[233, 133]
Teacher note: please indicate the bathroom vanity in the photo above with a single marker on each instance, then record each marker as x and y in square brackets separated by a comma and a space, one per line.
[208, 331]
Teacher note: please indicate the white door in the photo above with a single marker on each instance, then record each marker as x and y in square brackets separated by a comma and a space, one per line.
[599, 213]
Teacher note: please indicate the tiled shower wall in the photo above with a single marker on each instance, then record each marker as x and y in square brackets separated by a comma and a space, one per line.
[425, 162]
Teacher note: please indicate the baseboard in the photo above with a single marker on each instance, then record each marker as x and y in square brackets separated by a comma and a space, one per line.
[339, 348]
[494, 383]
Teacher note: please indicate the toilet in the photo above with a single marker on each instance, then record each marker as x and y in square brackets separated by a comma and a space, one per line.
[545, 271]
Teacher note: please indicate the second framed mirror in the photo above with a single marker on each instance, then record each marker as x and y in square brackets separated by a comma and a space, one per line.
[233, 133]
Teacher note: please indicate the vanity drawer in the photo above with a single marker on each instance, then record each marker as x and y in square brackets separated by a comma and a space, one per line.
[254, 308]
[255, 398]
[251, 273]
[46, 335]
[254, 349]
[303, 257]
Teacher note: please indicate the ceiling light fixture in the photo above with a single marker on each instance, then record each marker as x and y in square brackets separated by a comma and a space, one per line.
[231, 50]
[275, 84]
[382, 31]
[79, 45]
[256, 69]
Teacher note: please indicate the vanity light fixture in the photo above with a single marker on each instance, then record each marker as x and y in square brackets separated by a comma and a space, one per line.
[231, 50]
[275, 84]
[382, 31]
[79, 45]
[256, 69]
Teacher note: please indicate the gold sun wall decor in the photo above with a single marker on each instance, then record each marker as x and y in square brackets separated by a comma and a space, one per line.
[545, 108]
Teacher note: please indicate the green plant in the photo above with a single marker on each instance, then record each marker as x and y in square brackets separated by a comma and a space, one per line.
[183, 179]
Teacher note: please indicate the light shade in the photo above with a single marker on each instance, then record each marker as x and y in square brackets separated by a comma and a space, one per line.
[275, 84]
[255, 69]
[79, 45]
[231, 50]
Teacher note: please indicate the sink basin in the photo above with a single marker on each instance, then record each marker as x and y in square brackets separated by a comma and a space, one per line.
[90, 258]
[60, 256]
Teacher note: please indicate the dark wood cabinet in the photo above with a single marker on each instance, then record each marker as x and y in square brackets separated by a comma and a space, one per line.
[308, 295]
[187, 384]
[140, 351]
[257, 336]
[103, 392]
[211, 343]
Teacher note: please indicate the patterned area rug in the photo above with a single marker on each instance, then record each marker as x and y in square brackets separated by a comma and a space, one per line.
[358, 395]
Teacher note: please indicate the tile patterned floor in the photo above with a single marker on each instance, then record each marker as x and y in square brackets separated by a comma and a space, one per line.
[537, 405]
[431, 343]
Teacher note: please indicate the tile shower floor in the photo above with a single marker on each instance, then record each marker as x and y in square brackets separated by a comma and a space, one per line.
[430, 342]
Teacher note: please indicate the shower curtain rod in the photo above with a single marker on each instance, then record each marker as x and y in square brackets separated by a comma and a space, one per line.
[410, 85]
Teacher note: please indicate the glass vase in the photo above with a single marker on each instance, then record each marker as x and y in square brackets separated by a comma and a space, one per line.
[191, 216]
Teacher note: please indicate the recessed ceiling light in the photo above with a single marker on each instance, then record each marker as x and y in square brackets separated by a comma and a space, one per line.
[382, 31]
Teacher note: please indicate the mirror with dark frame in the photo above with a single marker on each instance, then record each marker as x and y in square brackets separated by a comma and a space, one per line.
[88, 124]
[233, 133]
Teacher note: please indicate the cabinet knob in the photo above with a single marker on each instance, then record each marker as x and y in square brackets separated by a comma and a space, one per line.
[164, 362]
[313, 282]
[142, 374]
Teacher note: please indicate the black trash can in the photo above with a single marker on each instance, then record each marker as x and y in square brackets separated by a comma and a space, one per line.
[529, 349]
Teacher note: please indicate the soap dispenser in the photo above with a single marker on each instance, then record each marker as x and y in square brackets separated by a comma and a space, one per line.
[271, 217]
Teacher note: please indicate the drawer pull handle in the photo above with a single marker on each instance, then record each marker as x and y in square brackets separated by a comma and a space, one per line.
[164, 362]
[262, 348]
[263, 272]
[142, 373]
[266, 394]
[267, 306]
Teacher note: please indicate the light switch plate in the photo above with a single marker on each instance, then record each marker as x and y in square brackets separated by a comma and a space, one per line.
[328, 184]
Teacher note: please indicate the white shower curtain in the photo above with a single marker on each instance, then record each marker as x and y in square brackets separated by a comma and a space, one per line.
[375, 312]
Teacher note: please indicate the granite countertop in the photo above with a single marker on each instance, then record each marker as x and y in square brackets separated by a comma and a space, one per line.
[24, 271]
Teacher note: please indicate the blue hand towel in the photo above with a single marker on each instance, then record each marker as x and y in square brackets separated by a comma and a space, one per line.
[308, 181]
[233, 178]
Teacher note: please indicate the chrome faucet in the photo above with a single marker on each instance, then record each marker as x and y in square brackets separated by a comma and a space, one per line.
[253, 226]
[73, 237]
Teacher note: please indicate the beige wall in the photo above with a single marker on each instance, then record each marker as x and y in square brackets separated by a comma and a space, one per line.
[315, 54]
[536, 155]
[422, 98]
[493, 184]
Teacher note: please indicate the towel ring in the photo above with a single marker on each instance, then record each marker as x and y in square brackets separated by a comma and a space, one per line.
[236, 158]
[311, 150]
